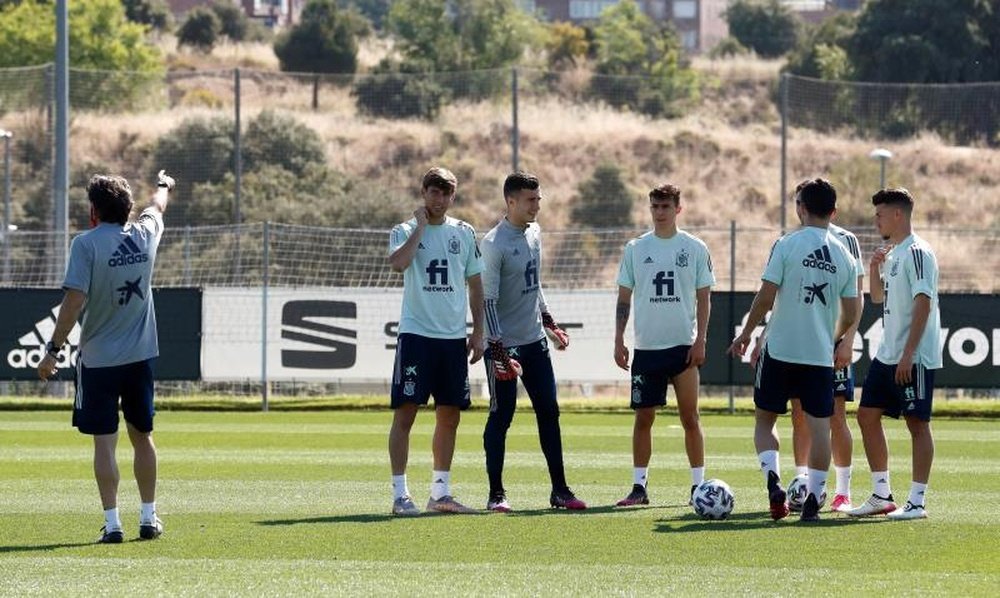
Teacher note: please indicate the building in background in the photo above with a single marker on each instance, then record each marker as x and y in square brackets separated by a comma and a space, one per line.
[272, 13]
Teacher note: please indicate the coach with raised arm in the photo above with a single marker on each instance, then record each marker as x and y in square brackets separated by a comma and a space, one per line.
[110, 271]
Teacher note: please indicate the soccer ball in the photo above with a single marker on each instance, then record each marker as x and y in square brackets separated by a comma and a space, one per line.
[713, 499]
[798, 491]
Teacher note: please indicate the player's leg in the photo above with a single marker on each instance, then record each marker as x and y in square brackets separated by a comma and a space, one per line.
[918, 415]
[814, 386]
[409, 391]
[503, 403]
[842, 447]
[137, 407]
[649, 393]
[800, 438]
[770, 398]
[686, 385]
[450, 388]
[107, 476]
[877, 399]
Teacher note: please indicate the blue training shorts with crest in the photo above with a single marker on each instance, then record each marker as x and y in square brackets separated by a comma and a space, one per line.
[430, 366]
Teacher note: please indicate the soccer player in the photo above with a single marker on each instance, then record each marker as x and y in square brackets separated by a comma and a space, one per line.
[901, 377]
[667, 273]
[841, 440]
[518, 322]
[809, 274]
[109, 271]
[438, 256]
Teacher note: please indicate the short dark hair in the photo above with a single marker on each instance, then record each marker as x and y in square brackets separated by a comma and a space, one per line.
[441, 178]
[894, 196]
[111, 197]
[518, 181]
[666, 192]
[818, 196]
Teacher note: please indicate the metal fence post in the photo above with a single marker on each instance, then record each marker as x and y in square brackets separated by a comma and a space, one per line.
[515, 134]
[265, 267]
[187, 255]
[784, 150]
[238, 173]
[732, 311]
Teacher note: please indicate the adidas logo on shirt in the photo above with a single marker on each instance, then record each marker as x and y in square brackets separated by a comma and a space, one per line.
[648, 260]
[31, 347]
[820, 259]
[128, 253]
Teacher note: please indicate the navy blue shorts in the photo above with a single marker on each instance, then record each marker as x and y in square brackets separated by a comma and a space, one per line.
[843, 381]
[537, 376]
[430, 366]
[652, 371]
[912, 400]
[778, 381]
[98, 390]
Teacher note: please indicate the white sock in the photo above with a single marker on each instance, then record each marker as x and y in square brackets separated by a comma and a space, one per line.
[639, 476]
[697, 475]
[440, 482]
[147, 512]
[880, 483]
[768, 463]
[918, 494]
[111, 520]
[399, 489]
[843, 480]
[801, 469]
[817, 482]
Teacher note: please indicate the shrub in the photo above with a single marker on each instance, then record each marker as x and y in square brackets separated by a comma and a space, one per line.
[200, 30]
[604, 200]
[324, 41]
[390, 93]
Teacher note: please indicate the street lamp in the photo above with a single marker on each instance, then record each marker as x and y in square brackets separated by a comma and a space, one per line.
[883, 156]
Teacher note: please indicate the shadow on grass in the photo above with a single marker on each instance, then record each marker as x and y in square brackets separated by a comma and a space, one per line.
[356, 518]
[43, 547]
[747, 522]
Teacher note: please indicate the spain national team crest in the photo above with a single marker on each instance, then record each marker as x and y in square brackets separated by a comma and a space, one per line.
[682, 259]
[894, 269]
[454, 246]
[636, 396]
[409, 388]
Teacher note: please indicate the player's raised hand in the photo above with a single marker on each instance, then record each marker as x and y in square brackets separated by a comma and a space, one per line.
[556, 334]
[47, 367]
[621, 355]
[165, 180]
[504, 368]
[421, 215]
[474, 347]
[878, 256]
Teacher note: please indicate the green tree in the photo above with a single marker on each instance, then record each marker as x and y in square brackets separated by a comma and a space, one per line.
[273, 139]
[639, 63]
[324, 40]
[100, 37]
[200, 30]
[153, 13]
[821, 52]
[393, 91]
[767, 27]
[233, 22]
[604, 200]
[566, 45]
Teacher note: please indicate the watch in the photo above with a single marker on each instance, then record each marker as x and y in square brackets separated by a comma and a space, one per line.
[52, 349]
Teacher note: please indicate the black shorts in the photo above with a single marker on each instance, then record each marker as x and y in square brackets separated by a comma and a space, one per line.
[843, 381]
[652, 371]
[778, 381]
[912, 400]
[430, 366]
[98, 390]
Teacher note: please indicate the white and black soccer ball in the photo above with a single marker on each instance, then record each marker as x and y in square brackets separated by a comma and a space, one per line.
[713, 499]
[798, 491]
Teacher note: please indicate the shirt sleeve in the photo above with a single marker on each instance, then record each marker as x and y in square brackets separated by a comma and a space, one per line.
[921, 267]
[151, 219]
[626, 275]
[774, 271]
[492, 263]
[706, 277]
[397, 236]
[474, 260]
[80, 266]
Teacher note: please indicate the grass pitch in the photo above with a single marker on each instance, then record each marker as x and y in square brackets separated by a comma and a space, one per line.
[297, 503]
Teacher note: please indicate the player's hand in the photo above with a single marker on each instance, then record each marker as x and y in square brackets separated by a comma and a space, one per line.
[164, 179]
[556, 334]
[904, 370]
[755, 353]
[621, 355]
[696, 354]
[474, 346]
[878, 256]
[842, 355]
[739, 346]
[47, 367]
[504, 368]
[420, 214]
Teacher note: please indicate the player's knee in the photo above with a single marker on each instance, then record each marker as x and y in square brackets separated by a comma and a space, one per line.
[644, 418]
[691, 422]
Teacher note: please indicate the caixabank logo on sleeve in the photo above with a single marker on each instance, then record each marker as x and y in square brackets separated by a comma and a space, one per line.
[29, 338]
[303, 323]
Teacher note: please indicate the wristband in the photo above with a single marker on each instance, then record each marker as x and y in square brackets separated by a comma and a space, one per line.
[52, 349]
[163, 185]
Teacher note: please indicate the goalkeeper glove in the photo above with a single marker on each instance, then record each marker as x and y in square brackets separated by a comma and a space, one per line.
[504, 368]
[556, 334]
